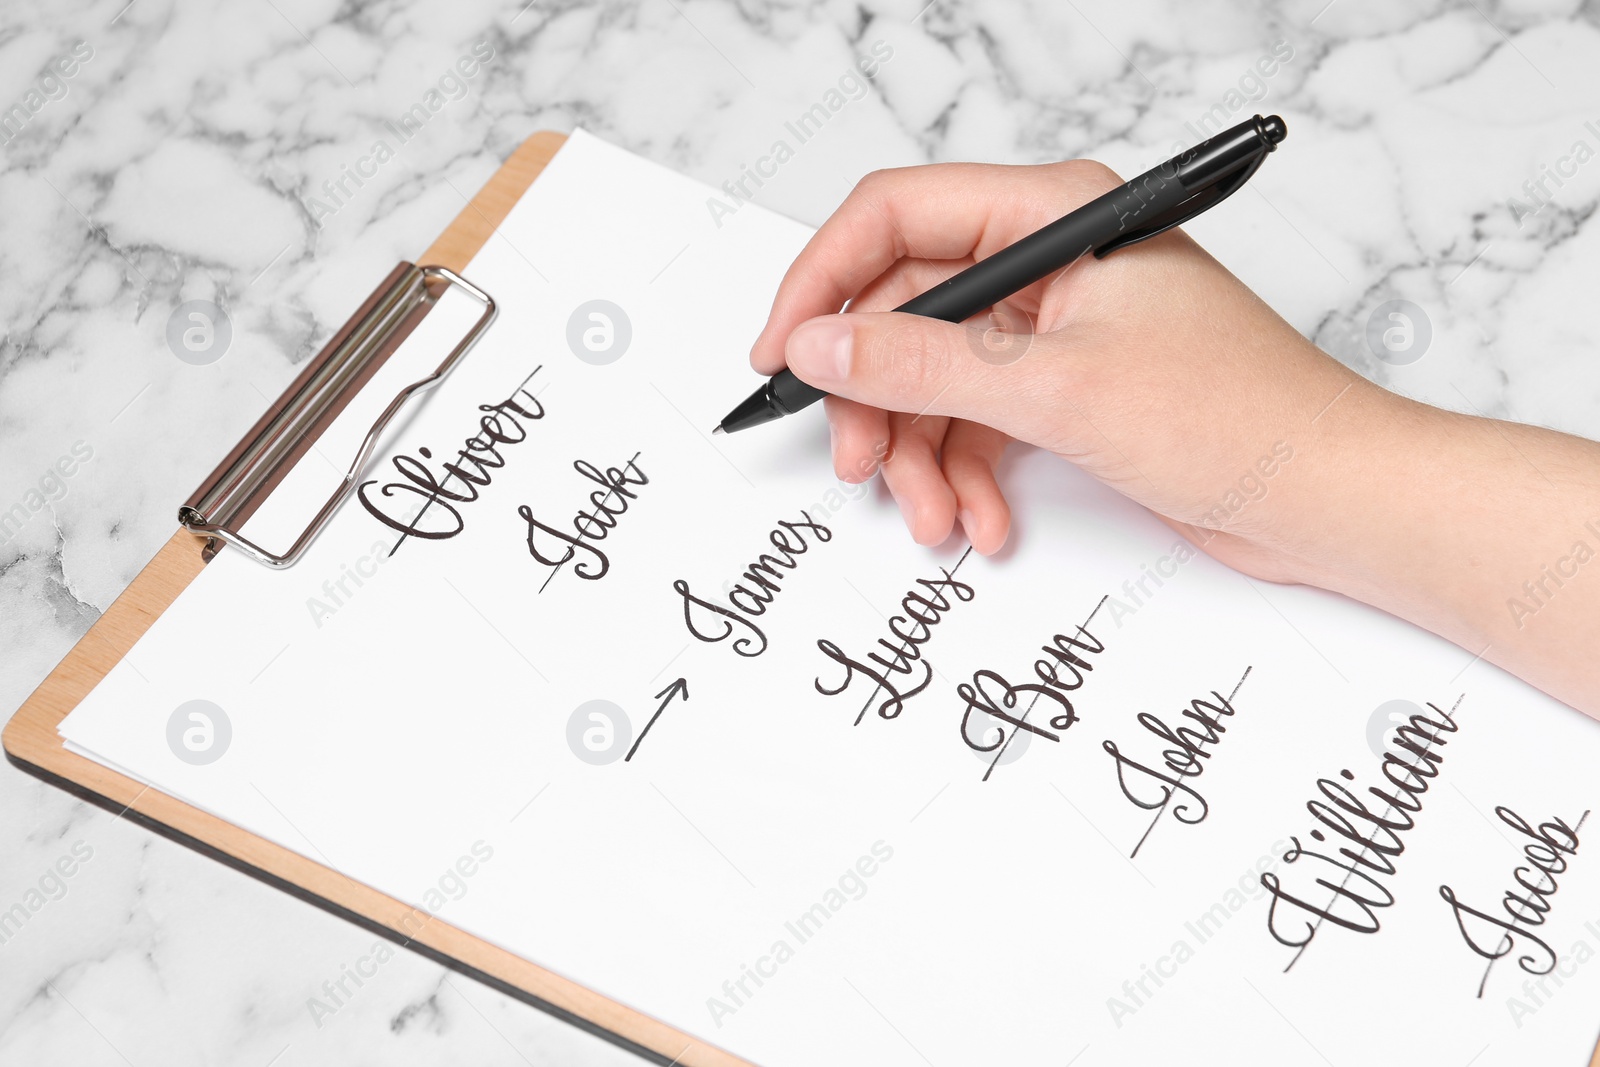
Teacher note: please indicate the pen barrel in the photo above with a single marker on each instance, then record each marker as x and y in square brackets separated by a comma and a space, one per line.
[792, 394]
[1218, 158]
[1155, 201]
[1055, 247]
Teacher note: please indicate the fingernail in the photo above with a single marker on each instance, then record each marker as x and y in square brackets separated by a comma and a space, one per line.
[819, 351]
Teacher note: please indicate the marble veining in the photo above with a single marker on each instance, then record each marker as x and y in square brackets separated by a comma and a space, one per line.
[1440, 152]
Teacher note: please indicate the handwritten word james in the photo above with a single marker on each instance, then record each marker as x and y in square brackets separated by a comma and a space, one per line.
[619, 484]
[1154, 789]
[1546, 852]
[1060, 671]
[712, 623]
[921, 612]
[439, 516]
[1356, 892]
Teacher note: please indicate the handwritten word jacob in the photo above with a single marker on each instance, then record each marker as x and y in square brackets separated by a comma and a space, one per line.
[1547, 851]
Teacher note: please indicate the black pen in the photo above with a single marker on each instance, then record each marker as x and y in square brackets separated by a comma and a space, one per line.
[1156, 200]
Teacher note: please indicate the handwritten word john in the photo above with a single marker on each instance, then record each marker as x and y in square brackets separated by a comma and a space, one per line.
[712, 623]
[479, 455]
[921, 612]
[1377, 834]
[587, 526]
[1154, 789]
[1546, 852]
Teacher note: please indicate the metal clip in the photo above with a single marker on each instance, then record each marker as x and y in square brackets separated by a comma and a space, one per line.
[223, 503]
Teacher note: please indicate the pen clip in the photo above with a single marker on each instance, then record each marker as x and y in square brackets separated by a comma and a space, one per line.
[1202, 200]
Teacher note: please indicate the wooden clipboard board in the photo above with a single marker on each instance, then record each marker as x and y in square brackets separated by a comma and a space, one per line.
[32, 743]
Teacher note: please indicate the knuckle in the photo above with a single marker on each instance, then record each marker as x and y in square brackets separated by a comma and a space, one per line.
[1092, 174]
[876, 181]
[959, 465]
[916, 357]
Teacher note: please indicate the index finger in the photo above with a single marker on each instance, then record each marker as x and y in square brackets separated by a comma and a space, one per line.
[945, 211]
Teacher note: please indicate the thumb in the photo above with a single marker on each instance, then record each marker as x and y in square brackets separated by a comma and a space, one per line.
[923, 366]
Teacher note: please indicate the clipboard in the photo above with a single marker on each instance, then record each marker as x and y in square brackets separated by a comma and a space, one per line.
[210, 518]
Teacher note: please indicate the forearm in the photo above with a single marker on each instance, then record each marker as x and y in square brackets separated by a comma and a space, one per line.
[1484, 532]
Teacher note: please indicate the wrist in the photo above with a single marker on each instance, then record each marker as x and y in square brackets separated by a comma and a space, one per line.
[1349, 517]
[1458, 524]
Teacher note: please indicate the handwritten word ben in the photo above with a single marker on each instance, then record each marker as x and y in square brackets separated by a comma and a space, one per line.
[1061, 671]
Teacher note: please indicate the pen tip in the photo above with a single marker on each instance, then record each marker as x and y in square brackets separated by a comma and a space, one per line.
[717, 429]
[1274, 129]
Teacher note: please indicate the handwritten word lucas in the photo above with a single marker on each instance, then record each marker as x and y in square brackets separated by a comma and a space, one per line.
[920, 611]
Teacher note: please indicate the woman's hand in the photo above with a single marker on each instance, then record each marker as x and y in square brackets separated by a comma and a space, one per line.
[1159, 373]
[1155, 370]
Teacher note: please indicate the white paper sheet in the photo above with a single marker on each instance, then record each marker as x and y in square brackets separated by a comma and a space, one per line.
[769, 873]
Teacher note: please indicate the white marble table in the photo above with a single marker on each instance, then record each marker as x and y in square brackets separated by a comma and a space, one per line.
[180, 159]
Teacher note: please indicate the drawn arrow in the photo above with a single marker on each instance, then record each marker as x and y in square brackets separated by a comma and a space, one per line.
[677, 688]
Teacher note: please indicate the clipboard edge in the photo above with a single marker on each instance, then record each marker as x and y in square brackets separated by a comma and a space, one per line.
[32, 744]
[340, 911]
